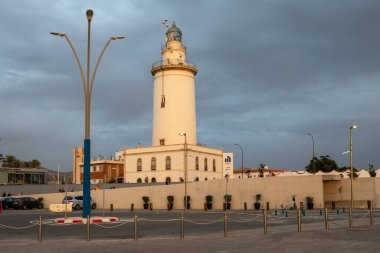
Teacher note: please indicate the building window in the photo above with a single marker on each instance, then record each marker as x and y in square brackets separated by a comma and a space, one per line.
[162, 142]
[213, 165]
[196, 179]
[153, 164]
[168, 180]
[168, 163]
[205, 178]
[197, 163]
[206, 168]
[153, 179]
[139, 164]
[139, 180]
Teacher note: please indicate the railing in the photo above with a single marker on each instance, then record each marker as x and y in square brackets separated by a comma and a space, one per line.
[173, 62]
[281, 221]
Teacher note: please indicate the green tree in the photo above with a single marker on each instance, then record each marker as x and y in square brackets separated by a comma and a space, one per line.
[35, 163]
[324, 163]
[11, 161]
[371, 171]
[345, 168]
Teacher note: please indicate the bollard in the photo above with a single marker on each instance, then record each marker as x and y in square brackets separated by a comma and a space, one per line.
[275, 210]
[299, 220]
[111, 207]
[225, 225]
[245, 206]
[344, 209]
[303, 212]
[286, 213]
[337, 210]
[326, 219]
[182, 227]
[132, 207]
[371, 216]
[265, 223]
[350, 217]
[135, 228]
[40, 230]
[88, 228]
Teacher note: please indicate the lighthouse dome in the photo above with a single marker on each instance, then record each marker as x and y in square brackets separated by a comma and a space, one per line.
[174, 33]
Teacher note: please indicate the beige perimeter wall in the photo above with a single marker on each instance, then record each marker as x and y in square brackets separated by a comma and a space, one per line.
[365, 189]
[275, 190]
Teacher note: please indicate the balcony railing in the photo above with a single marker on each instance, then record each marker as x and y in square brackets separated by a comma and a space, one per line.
[173, 62]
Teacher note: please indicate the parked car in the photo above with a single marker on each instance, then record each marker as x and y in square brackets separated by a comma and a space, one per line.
[77, 202]
[26, 203]
[7, 203]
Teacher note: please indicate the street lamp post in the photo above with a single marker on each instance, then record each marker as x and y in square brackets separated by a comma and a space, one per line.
[87, 87]
[185, 166]
[226, 197]
[242, 158]
[312, 138]
[351, 168]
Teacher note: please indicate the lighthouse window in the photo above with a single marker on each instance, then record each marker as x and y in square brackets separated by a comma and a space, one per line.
[153, 164]
[168, 165]
[162, 142]
[139, 164]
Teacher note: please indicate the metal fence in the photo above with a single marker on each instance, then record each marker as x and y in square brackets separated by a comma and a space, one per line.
[339, 218]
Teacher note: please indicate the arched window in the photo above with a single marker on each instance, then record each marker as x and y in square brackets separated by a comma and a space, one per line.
[168, 180]
[153, 179]
[168, 163]
[206, 168]
[196, 179]
[153, 164]
[205, 178]
[139, 164]
[197, 163]
[213, 165]
[139, 180]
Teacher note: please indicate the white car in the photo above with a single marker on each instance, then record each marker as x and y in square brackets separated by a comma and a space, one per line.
[77, 202]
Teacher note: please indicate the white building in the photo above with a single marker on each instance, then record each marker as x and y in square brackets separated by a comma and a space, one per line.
[174, 135]
[174, 154]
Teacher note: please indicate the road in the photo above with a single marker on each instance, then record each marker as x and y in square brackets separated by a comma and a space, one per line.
[155, 228]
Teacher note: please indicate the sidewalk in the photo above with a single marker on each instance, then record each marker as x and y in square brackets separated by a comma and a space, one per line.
[280, 239]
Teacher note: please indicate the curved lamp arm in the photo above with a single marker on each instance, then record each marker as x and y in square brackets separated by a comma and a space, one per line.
[99, 58]
[76, 57]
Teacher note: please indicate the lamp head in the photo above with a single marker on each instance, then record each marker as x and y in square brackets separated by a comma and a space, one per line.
[353, 127]
[57, 34]
[117, 37]
[89, 14]
[182, 134]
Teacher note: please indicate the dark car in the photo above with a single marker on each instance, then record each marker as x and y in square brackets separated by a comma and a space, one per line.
[7, 203]
[26, 203]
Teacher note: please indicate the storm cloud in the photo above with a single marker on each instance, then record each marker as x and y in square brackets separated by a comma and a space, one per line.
[270, 72]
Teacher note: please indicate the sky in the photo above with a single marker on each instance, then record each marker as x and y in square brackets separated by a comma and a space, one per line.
[269, 73]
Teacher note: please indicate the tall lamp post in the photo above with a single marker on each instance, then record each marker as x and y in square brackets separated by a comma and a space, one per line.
[185, 166]
[351, 168]
[87, 87]
[313, 152]
[242, 158]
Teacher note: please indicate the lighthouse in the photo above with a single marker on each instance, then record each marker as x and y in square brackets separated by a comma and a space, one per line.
[174, 93]
[175, 155]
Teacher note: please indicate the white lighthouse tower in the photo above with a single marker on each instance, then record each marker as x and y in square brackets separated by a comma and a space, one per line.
[174, 93]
